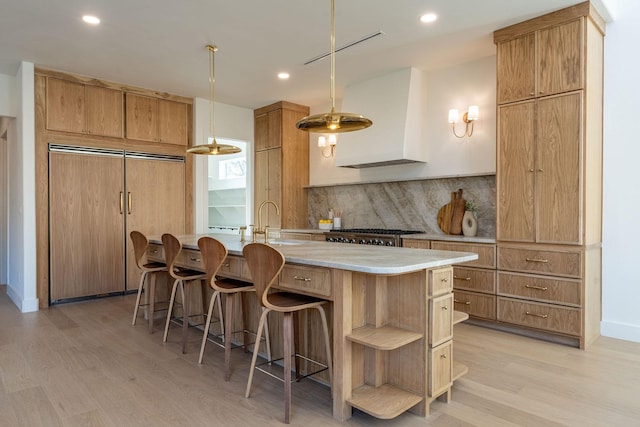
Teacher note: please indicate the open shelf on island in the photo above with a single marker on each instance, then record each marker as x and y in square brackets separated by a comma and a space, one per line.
[384, 337]
[383, 402]
[459, 370]
[459, 316]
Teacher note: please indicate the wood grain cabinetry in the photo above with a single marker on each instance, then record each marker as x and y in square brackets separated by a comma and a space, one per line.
[156, 120]
[79, 108]
[281, 164]
[474, 282]
[318, 237]
[549, 172]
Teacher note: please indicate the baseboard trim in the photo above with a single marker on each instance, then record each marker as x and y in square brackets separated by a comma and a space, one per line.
[24, 305]
[623, 331]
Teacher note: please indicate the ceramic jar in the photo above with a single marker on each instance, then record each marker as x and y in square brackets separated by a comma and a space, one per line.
[469, 224]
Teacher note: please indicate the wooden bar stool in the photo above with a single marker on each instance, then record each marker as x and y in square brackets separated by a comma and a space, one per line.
[265, 264]
[172, 249]
[149, 269]
[213, 255]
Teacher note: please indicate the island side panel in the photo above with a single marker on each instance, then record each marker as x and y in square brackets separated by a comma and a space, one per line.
[342, 358]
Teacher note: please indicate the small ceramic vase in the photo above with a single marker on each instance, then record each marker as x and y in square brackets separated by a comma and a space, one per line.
[469, 224]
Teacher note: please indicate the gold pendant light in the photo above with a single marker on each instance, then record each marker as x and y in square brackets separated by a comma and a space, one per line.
[213, 149]
[333, 122]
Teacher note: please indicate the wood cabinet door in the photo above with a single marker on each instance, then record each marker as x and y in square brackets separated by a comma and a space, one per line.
[155, 203]
[515, 174]
[104, 109]
[268, 165]
[441, 319]
[261, 131]
[558, 169]
[516, 69]
[65, 106]
[172, 122]
[560, 58]
[141, 117]
[275, 188]
[261, 182]
[86, 225]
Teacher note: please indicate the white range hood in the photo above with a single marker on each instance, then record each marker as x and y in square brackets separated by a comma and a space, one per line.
[395, 104]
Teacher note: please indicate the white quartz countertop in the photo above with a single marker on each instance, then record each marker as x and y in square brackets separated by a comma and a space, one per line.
[366, 259]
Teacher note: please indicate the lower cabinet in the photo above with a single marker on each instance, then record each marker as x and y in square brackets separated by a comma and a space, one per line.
[475, 304]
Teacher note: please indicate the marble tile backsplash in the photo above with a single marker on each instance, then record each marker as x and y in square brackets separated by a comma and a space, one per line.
[409, 205]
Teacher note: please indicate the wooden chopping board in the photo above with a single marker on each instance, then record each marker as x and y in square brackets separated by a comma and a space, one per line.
[457, 214]
[450, 215]
[444, 214]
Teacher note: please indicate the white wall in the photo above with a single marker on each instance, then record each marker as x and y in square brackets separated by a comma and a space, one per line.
[22, 213]
[621, 285]
[231, 122]
[455, 87]
[7, 96]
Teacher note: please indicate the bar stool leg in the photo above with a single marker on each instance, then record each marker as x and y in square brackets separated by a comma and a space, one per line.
[263, 318]
[185, 316]
[214, 297]
[267, 340]
[170, 310]
[325, 329]
[140, 286]
[296, 342]
[152, 300]
[227, 336]
[286, 338]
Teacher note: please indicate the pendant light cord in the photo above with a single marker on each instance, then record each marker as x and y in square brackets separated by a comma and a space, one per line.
[333, 54]
[212, 84]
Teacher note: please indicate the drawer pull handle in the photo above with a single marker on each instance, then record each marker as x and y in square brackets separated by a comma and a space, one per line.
[194, 259]
[444, 279]
[226, 264]
[304, 279]
[155, 251]
[443, 356]
[537, 260]
[444, 307]
[544, 316]
[540, 288]
[462, 302]
[468, 279]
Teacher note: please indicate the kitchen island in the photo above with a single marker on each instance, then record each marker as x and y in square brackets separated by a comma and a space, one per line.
[392, 317]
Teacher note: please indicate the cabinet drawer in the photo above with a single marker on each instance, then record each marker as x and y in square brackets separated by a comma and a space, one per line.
[440, 319]
[440, 368]
[557, 262]
[474, 279]
[231, 267]
[549, 317]
[477, 305]
[486, 252]
[155, 252]
[190, 258]
[416, 243]
[440, 281]
[306, 280]
[540, 288]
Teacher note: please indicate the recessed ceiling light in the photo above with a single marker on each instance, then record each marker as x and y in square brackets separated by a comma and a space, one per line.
[283, 76]
[428, 17]
[90, 19]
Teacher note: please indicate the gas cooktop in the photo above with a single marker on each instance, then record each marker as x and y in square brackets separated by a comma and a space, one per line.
[375, 231]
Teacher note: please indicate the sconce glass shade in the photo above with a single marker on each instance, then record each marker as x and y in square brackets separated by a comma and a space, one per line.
[473, 113]
[322, 141]
[333, 122]
[453, 116]
[333, 140]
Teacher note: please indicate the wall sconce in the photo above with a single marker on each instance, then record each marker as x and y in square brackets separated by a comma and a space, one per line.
[322, 143]
[469, 117]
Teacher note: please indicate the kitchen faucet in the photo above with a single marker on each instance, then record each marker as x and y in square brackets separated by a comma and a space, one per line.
[264, 230]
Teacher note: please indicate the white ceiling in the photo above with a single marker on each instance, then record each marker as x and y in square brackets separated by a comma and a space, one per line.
[160, 44]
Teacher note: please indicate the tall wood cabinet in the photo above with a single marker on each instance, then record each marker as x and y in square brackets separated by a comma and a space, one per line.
[281, 164]
[96, 182]
[549, 172]
[154, 119]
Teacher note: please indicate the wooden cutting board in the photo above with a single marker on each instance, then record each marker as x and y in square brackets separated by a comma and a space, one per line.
[444, 214]
[456, 214]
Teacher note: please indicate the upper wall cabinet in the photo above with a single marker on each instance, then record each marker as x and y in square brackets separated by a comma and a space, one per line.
[543, 62]
[156, 120]
[75, 107]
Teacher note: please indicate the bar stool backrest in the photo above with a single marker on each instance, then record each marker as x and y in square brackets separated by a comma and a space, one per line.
[213, 254]
[140, 243]
[172, 248]
[265, 263]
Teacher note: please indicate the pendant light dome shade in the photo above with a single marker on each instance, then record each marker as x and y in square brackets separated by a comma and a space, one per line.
[213, 149]
[333, 122]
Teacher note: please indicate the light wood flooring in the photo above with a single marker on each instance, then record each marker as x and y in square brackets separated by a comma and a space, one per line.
[83, 364]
